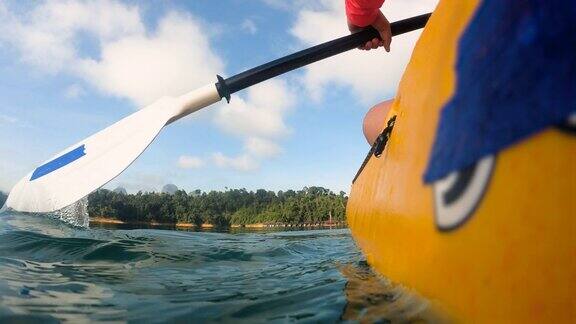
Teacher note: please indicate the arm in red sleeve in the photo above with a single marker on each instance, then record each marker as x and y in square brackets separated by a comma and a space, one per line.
[362, 13]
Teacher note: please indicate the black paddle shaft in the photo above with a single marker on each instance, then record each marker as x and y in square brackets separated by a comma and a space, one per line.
[299, 59]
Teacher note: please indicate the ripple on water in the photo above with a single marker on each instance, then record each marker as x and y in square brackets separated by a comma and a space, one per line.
[53, 271]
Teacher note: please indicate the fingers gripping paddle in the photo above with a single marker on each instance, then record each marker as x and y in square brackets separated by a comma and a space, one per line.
[86, 166]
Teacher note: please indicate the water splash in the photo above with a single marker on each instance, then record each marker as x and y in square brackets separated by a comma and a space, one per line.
[75, 214]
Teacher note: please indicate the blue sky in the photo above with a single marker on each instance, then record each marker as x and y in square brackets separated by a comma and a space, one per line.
[71, 68]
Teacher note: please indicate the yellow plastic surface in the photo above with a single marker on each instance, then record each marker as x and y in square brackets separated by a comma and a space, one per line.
[514, 260]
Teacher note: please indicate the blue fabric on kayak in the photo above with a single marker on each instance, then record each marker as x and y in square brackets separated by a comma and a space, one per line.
[516, 75]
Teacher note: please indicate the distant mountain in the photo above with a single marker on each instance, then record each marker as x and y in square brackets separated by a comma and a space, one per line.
[169, 189]
[121, 191]
[3, 198]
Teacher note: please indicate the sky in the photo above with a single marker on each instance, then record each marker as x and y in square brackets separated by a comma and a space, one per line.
[71, 68]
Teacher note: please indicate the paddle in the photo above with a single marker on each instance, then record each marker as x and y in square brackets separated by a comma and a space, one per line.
[86, 166]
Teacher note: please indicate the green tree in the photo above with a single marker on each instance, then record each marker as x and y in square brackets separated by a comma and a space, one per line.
[222, 208]
[3, 198]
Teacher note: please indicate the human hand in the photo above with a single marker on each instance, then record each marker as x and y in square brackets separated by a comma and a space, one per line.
[382, 25]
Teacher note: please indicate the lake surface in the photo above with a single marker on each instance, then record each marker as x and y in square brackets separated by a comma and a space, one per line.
[51, 271]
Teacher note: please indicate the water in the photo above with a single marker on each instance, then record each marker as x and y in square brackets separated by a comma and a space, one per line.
[51, 271]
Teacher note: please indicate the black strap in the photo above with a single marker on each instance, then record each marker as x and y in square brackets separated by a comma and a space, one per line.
[378, 146]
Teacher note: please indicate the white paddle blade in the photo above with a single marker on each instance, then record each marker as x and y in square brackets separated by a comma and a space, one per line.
[86, 166]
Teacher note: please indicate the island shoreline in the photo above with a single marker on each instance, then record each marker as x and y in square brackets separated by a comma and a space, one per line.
[111, 221]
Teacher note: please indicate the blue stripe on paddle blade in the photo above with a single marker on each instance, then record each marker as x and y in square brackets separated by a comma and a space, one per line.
[59, 162]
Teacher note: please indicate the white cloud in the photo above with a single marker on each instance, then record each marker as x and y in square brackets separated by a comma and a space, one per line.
[190, 162]
[127, 60]
[371, 75]
[45, 35]
[261, 147]
[278, 4]
[260, 114]
[5, 119]
[132, 62]
[171, 61]
[74, 91]
[243, 162]
[249, 26]
[295, 4]
[13, 122]
[259, 120]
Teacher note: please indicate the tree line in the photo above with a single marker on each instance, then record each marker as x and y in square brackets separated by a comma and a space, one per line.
[311, 205]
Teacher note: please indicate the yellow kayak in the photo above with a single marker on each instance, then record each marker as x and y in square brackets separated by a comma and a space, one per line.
[503, 248]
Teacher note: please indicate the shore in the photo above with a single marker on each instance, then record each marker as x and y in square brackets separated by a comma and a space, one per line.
[106, 220]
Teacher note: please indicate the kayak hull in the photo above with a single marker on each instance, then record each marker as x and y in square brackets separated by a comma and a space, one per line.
[513, 256]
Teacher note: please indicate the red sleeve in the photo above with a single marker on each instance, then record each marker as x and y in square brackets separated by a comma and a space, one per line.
[362, 13]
